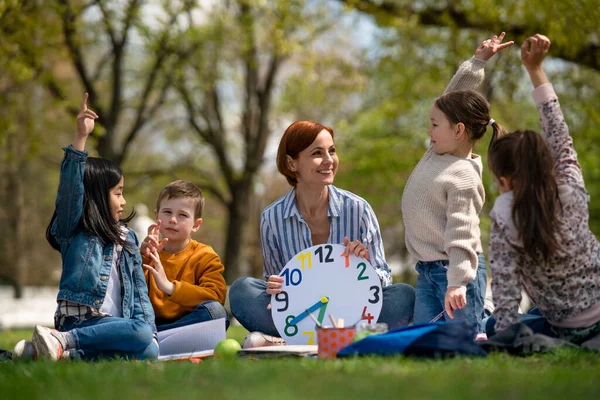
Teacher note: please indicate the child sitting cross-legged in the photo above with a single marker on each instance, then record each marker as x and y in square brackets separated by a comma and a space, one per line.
[540, 237]
[185, 277]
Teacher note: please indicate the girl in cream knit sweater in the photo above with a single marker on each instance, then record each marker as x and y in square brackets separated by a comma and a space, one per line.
[444, 195]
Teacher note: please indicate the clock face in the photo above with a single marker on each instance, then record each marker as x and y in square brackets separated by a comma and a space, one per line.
[320, 280]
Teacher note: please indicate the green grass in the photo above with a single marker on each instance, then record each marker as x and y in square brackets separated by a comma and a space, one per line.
[569, 374]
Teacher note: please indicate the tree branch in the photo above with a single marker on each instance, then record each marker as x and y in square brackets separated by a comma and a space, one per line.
[68, 19]
[588, 54]
[132, 10]
[208, 136]
[205, 185]
[144, 112]
[108, 24]
[251, 69]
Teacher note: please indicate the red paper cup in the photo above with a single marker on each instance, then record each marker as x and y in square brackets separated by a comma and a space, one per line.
[332, 340]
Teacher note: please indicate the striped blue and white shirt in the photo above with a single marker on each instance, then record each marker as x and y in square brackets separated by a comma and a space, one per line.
[284, 233]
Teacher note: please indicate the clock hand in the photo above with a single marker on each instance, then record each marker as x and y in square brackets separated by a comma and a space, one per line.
[310, 309]
[314, 319]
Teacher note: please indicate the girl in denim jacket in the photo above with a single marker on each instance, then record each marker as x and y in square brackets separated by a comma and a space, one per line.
[103, 307]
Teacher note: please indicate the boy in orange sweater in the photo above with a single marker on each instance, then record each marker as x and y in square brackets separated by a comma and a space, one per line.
[184, 277]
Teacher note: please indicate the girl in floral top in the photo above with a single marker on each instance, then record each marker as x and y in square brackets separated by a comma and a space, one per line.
[540, 237]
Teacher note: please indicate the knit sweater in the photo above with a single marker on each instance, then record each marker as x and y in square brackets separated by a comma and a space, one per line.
[566, 289]
[442, 200]
[197, 273]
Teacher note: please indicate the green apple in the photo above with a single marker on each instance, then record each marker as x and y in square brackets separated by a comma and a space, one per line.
[227, 348]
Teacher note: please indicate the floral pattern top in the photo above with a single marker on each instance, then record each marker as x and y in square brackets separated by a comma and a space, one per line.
[569, 284]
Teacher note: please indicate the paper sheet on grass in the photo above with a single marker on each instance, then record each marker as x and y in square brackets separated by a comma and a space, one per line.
[197, 340]
[278, 351]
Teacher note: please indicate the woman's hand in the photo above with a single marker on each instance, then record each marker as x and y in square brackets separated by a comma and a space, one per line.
[456, 298]
[489, 47]
[151, 242]
[274, 285]
[85, 125]
[163, 283]
[357, 248]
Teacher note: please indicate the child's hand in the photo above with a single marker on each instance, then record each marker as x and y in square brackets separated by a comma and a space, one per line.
[456, 297]
[85, 125]
[85, 118]
[151, 243]
[489, 47]
[356, 248]
[163, 283]
[534, 50]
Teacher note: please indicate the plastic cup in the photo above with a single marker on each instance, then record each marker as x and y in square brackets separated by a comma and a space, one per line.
[332, 340]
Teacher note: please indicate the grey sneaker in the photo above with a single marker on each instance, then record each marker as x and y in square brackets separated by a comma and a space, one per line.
[49, 343]
[592, 344]
[24, 350]
[259, 339]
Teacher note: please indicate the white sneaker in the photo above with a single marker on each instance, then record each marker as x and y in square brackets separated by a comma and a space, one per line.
[259, 339]
[48, 343]
[24, 350]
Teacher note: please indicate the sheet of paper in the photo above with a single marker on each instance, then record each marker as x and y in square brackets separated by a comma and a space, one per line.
[187, 340]
[196, 354]
[290, 349]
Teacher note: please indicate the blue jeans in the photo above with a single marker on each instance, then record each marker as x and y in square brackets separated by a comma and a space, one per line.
[249, 300]
[432, 284]
[205, 311]
[109, 337]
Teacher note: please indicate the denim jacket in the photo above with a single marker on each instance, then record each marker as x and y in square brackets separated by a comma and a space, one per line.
[86, 260]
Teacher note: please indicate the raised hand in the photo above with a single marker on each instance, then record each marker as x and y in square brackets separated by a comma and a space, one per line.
[151, 242]
[157, 270]
[534, 50]
[491, 46]
[85, 124]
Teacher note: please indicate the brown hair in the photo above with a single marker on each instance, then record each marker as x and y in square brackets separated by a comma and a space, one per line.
[470, 108]
[183, 189]
[525, 158]
[297, 137]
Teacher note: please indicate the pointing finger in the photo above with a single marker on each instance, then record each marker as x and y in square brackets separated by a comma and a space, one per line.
[83, 106]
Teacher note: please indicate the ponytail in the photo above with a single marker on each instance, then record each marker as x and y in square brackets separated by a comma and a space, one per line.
[525, 158]
[497, 132]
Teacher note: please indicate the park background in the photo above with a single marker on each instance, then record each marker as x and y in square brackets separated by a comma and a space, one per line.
[203, 90]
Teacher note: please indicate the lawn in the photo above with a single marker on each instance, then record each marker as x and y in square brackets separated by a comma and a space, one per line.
[570, 374]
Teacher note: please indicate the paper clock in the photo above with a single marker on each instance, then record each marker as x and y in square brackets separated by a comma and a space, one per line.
[320, 280]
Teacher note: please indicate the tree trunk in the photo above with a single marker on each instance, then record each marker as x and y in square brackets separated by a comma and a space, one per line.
[15, 221]
[238, 216]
